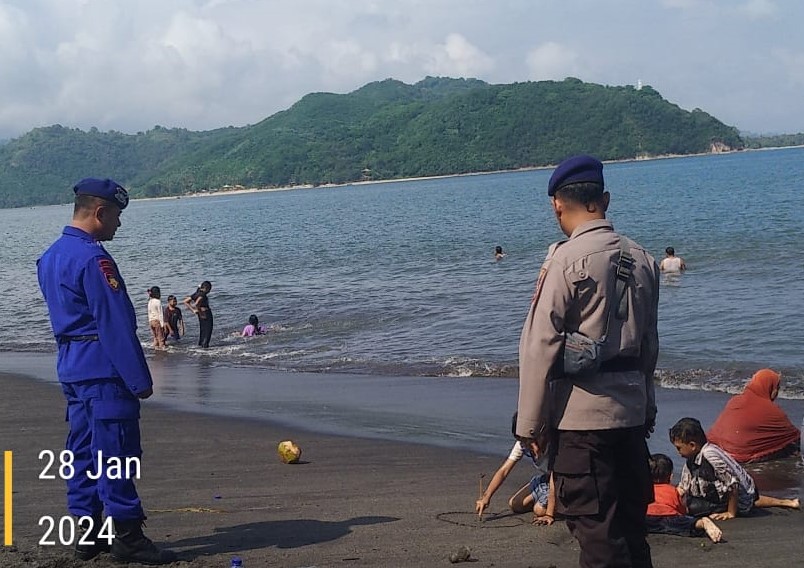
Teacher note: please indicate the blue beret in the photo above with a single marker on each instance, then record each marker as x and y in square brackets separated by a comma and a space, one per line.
[107, 189]
[577, 169]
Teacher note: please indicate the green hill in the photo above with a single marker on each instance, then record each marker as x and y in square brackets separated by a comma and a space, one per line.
[384, 130]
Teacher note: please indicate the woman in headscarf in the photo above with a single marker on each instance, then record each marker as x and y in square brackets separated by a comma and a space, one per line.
[752, 427]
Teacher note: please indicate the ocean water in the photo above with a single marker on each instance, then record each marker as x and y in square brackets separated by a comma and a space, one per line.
[398, 279]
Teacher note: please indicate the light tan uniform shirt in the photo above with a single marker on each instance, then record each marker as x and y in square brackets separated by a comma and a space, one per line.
[575, 290]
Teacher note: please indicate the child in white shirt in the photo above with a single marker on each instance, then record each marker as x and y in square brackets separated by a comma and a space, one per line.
[538, 495]
[156, 320]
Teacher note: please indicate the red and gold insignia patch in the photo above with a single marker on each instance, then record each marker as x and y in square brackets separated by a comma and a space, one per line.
[539, 283]
[109, 271]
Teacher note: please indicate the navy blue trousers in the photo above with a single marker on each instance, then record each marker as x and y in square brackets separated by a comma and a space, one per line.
[104, 417]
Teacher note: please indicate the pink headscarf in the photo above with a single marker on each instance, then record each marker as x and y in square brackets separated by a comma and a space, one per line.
[752, 427]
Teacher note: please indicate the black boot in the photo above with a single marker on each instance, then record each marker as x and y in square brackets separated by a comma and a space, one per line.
[131, 545]
[90, 551]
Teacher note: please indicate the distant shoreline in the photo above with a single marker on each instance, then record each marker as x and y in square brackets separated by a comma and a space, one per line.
[248, 190]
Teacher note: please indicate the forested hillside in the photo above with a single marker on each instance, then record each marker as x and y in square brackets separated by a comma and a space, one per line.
[383, 130]
[773, 140]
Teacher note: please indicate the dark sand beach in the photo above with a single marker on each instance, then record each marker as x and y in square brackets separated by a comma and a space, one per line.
[214, 488]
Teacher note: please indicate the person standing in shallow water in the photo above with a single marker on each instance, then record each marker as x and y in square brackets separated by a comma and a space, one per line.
[198, 303]
[595, 286]
[156, 317]
[174, 319]
[671, 263]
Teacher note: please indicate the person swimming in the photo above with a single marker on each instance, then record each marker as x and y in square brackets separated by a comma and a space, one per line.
[253, 328]
[672, 263]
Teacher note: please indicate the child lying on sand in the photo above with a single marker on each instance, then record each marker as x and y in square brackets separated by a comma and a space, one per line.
[667, 514]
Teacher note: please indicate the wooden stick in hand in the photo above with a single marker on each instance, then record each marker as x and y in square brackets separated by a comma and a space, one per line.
[480, 498]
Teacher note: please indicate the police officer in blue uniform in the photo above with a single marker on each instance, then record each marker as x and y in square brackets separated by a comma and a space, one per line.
[102, 371]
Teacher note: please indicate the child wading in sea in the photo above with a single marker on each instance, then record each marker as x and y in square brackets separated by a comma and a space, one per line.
[156, 319]
[537, 495]
[174, 319]
[667, 514]
[712, 482]
[253, 328]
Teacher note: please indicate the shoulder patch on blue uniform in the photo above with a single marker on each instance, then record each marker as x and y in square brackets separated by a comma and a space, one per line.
[109, 271]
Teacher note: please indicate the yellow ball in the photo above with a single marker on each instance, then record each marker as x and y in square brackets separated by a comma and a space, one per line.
[288, 452]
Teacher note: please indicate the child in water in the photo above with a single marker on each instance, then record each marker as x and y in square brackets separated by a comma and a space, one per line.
[174, 319]
[498, 253]
[156, 320]
[253, 328]
[538, 495]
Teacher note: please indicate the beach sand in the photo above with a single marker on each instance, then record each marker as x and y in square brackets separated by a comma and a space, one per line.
[214, 488]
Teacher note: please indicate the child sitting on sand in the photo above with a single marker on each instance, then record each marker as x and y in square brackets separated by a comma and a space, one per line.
[538, 495]
[712, 483]
[667, 514]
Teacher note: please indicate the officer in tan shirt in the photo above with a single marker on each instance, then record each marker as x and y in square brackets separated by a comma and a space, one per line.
[596, 421]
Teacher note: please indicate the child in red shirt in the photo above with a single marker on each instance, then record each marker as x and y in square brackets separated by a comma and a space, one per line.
[667, 514]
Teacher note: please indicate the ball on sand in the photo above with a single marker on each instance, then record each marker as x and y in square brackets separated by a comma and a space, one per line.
[288, 452]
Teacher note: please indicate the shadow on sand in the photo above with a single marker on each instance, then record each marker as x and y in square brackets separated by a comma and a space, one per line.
[280, 534]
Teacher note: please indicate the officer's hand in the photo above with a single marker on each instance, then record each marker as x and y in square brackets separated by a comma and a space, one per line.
[650, 424]
[145, 394]
[533, 445]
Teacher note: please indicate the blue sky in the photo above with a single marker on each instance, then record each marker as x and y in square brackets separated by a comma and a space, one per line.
[200, 64]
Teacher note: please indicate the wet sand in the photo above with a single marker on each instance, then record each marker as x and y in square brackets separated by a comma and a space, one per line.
[213, 488]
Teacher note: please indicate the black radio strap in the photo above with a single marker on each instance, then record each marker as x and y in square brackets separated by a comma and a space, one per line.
[624, 270]
[625, 265]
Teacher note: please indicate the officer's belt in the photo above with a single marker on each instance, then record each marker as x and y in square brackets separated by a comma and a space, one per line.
[72, 338]
[620, 365]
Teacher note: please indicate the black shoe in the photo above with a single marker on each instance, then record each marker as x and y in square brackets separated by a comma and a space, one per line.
[90, 551]
[131, 545]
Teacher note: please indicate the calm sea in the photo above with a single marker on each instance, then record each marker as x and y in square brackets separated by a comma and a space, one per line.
[399, 278]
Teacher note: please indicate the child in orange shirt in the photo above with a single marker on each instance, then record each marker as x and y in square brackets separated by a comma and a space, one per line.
[667, 514]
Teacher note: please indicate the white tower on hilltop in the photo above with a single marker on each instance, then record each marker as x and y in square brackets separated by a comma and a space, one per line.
[639, 84]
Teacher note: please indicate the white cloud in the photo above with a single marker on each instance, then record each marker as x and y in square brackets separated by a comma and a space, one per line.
[759, 8]
[202, 64]
[682, 4]
[552, 61]
[345, 58]
[457, 57]
[793, 65]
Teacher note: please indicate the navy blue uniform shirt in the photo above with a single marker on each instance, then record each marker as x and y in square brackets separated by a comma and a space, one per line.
[87, 298]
